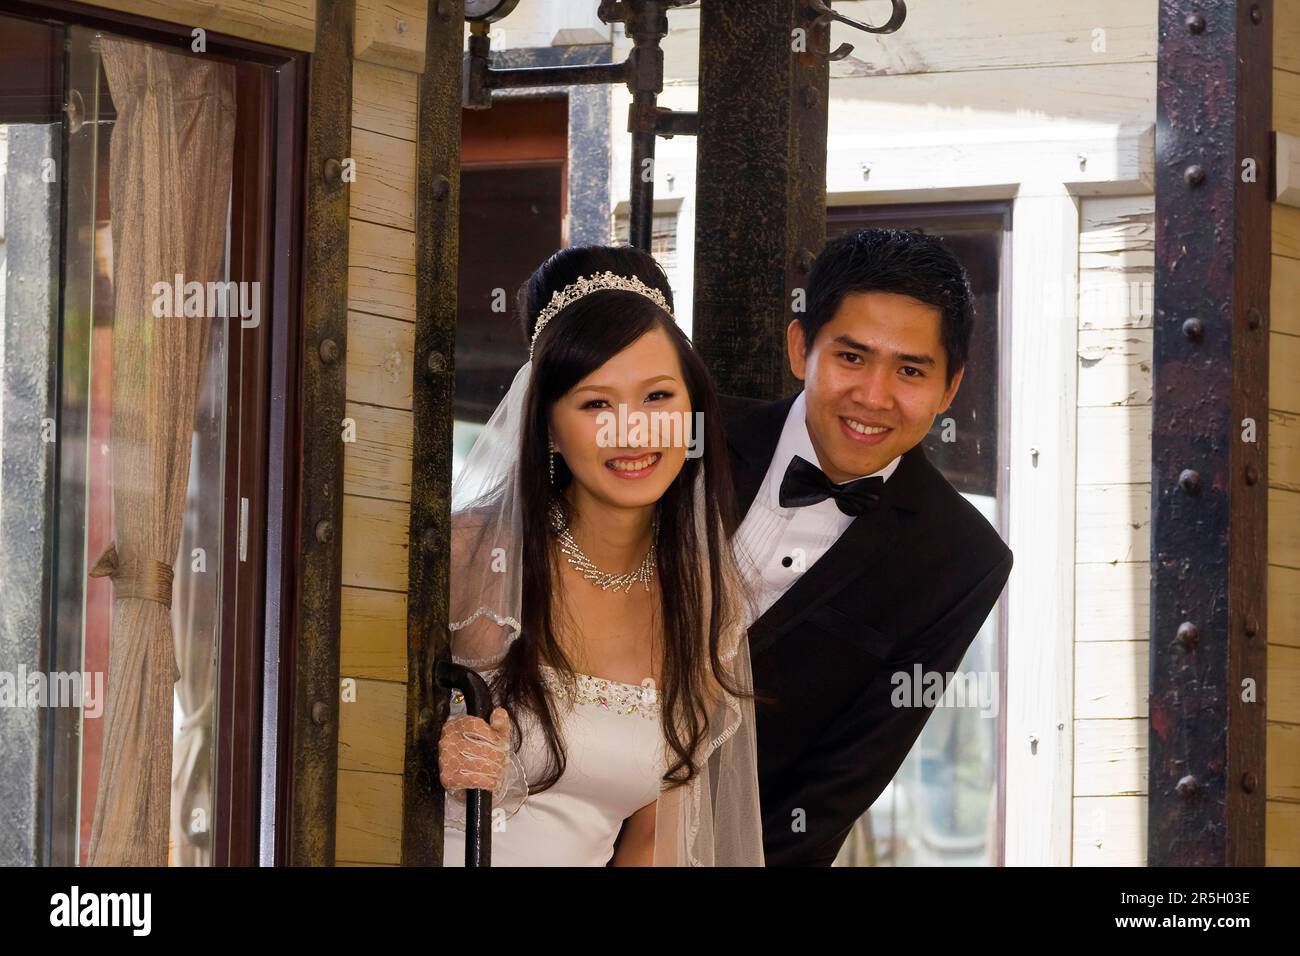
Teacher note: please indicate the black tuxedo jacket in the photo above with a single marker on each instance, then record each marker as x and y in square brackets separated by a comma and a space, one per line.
[911, 582]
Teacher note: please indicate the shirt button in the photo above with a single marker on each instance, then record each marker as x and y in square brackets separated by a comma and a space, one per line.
[787, 561]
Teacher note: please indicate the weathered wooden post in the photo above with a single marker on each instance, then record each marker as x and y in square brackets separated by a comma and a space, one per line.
[1209, 459]
[761, 188]
[437, 244]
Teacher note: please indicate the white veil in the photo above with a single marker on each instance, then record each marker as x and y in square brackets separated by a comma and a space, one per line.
[714, 819]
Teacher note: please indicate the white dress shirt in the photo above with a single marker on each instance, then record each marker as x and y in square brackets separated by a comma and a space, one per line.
[775, 545]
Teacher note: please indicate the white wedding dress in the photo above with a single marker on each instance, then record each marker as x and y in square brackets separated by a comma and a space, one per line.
[615, 759]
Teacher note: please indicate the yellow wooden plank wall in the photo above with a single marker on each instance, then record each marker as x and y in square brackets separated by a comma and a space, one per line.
[389, 50]
[1112, 529]
[1282, 771]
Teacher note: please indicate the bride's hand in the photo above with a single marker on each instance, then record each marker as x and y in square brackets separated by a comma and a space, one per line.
[473, 753]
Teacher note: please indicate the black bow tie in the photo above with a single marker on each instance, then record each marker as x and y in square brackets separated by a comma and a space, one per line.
[806, 484]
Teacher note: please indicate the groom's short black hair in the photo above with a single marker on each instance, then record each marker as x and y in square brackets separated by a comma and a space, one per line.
[907, 262]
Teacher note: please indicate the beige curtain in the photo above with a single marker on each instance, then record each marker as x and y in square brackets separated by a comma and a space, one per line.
[172, 150]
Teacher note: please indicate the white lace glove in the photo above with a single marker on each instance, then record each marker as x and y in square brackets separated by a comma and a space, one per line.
[473, 753]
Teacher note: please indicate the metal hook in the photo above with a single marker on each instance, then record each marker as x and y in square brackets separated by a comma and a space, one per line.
[825, 16]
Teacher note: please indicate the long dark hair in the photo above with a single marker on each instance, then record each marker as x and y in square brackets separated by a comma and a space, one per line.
[577, 341]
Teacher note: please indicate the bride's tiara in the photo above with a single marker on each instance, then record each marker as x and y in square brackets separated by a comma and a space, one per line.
[585, 285]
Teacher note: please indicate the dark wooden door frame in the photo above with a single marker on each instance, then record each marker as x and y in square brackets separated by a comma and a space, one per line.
[437, 244]
[1209, 481]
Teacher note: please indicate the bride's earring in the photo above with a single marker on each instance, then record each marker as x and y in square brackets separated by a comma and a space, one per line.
[551, 459]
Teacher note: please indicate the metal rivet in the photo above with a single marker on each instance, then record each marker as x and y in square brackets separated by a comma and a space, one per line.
[810, 97]
[806, 260]
[1256, 14]
[1194, 175]
[440, 188]
[324, 531]
[1249, 782]
[444, 9]
[1188, 634]
[426, 716]
[436, 364]
[329, 351]
[1194, 329]
[428, 539]
[1187, 786]
[1251, 627]
[1254, 318]
[1252, 475]
[332, 172]
[401, 26]
[320, 713]
[1195, 23]
[1190, 481]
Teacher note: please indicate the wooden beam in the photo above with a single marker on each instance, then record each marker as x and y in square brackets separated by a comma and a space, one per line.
[907, 168]
[315, 691]
[437, 227]
[1046, 535]
[392, 32]
[760, 188]
[1209, 482]
[962, 36]
[286, 23]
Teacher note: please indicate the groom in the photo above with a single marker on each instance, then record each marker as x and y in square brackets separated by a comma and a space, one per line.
[864, 561]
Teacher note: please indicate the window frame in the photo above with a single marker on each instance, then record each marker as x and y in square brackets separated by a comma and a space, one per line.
[252, 769]
[995, 214]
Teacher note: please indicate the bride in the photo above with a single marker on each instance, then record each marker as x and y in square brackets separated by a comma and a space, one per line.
[593, 586]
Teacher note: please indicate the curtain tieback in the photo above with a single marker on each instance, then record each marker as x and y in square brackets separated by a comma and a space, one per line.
[147, 580]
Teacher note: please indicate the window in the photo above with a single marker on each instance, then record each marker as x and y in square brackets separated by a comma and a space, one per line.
[663, 237]
[145, 189]
[944, 805]
[513, 182]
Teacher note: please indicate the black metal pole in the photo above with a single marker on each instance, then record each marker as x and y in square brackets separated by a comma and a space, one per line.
[478, 803]
[577, 74]
[646, 22]
[641, 215]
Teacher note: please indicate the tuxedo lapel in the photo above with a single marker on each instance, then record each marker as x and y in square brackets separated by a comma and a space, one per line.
[859, 547]
[753, 435]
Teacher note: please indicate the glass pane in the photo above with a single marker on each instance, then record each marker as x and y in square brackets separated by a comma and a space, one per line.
[196, 615]
[31, 97]
[114, 419]
[941, 807]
